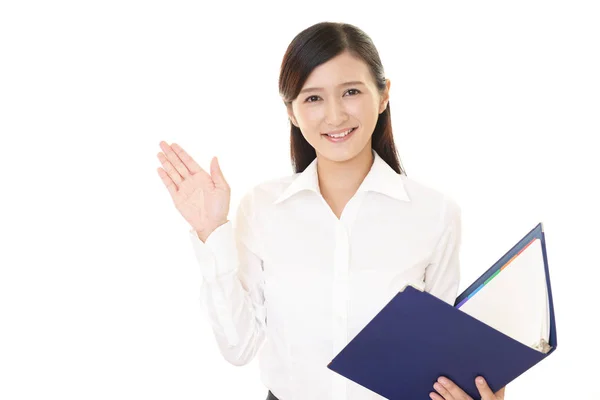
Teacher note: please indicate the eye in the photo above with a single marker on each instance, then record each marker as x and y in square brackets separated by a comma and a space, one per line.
[310, 97]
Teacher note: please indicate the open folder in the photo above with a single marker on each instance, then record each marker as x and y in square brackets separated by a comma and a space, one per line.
[499, 327]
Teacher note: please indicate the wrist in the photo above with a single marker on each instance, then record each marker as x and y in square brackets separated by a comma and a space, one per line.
[203, 234]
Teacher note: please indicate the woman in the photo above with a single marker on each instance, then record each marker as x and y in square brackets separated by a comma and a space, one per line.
[315, 255]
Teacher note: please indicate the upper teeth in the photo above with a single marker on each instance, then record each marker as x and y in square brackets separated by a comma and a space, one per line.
[340, 134]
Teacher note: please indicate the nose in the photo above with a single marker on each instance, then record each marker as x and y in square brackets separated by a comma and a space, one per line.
[335, 113]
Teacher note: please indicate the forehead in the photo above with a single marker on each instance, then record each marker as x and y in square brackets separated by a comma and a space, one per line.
[342, 68]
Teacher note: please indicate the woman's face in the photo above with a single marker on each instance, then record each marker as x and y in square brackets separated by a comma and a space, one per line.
[327, 103]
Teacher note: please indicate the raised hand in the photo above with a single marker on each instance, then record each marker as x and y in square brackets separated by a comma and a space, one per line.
[201, 198]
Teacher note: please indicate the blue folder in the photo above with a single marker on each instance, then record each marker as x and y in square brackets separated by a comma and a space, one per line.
[418, 337]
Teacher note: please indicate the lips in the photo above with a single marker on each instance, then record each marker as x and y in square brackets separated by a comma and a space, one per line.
[339, 131]
[341, 139]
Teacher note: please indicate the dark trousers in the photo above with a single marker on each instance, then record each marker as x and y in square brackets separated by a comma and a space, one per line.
[271, 396]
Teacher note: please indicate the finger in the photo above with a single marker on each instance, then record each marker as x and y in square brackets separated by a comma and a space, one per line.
[456, 392]
[484, 390]
[435, 396]
[173, 174]
[500, 393]
[443, 391]
[187, 160]
[167, 181]
[217, 173]
[175, 160]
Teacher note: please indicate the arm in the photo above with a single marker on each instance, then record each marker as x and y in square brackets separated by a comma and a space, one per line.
[442, 275]
[232, 289]
[442, 279]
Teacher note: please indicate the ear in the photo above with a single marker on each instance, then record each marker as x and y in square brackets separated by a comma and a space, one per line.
[385, 97]
[291, 115]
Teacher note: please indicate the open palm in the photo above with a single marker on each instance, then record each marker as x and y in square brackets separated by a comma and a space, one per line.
[201, 198]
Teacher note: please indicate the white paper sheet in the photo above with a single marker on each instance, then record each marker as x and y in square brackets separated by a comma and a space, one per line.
[515, 301]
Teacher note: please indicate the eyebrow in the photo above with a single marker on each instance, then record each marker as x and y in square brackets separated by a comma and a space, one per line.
[341, 84]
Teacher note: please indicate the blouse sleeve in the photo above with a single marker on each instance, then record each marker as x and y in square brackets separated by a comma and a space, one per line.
[442, 275]
[232, 291]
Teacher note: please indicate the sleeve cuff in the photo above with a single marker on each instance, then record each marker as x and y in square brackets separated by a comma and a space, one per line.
[218, 255]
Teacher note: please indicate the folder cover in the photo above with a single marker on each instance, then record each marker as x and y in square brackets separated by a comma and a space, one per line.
[499, 327]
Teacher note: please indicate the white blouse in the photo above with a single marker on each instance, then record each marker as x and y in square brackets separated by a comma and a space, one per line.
[289, 281]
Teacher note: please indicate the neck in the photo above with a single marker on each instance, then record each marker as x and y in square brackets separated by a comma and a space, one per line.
[342, 179]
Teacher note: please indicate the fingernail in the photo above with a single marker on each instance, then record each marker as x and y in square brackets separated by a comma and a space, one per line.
[480, 381]
[443, 381]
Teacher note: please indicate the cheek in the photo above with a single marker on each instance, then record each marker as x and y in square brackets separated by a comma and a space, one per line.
[363, 111]
[312, 115]
[310, 122]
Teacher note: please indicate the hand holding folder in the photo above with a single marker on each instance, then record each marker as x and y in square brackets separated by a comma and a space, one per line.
[499, 327]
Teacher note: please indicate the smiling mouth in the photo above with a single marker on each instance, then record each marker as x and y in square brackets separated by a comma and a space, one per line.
[339, 135]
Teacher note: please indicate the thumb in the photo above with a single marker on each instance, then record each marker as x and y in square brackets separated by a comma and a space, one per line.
[216, 173]
[484, 390]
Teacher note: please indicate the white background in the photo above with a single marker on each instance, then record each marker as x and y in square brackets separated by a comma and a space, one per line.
[495, 103]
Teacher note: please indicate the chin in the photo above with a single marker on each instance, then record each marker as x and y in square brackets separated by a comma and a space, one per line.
[342, 155]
